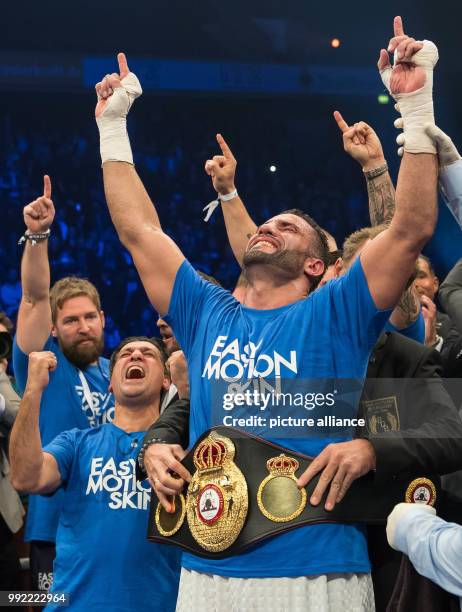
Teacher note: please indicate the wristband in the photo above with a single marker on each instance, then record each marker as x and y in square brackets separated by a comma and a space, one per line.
[145, 445]
[211, 206]
[34, 238]
[372, 174]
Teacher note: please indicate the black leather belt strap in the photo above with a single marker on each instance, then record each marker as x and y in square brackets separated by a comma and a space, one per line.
[368, 500]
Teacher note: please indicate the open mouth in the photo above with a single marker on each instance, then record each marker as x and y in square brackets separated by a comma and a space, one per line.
[134, 372]
[264, 244]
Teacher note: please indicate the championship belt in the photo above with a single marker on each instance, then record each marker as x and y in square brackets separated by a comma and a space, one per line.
[244, 490]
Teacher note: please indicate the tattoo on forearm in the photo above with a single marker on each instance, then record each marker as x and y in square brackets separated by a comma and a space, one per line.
[381, 194]
[409, 307]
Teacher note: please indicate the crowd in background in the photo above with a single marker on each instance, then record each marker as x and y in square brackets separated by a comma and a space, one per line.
[170, 151]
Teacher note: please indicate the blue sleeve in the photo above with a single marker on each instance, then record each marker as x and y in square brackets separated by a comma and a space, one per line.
[191, 296]
[433, 546]
[63, 449]
[415, 331]
[354, 307]
[450, 181]
[21, 362]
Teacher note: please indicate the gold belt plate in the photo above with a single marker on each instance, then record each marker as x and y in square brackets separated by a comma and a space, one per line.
[278, 496]
[217, 498]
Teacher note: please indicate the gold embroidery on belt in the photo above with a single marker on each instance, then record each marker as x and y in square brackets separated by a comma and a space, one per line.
[421, 491]
[217, 498]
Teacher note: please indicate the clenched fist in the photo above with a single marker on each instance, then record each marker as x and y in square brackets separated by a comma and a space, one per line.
[39, 214]
[222, 168]
[40, 365]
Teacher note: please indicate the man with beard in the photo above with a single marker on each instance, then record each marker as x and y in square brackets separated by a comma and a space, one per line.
[284, 329]
[69, 322]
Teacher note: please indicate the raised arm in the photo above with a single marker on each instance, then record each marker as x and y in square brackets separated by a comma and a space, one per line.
[34, 317]
[239, 225]
[157, 258]
[388, 261]
[362, 143]
[32, 470]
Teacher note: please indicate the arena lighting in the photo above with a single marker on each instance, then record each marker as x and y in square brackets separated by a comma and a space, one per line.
[383, 98]
[335, 43]
[272, 168]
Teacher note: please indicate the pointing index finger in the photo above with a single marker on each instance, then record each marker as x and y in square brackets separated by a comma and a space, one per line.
[224, 147]
[46, 187]
[398, 26]
[343, 125]
[123, 65]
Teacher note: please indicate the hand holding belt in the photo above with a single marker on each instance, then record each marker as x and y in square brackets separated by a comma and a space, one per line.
[244, 490]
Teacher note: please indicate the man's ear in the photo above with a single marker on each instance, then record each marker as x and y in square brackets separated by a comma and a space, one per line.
[54, 331]
[436, 283]
[338, 267]
[103, 318]
[110, 388]
[314, 267]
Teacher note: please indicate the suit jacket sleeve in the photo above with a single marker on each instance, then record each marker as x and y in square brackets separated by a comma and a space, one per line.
[172, 427]
[431, 441]
[450, 295]
[12, 400]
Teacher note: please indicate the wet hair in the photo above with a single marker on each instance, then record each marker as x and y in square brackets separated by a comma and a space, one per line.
[157, 342]
[319, 249]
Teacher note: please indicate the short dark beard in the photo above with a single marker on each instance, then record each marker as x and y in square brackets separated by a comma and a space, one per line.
[287, 264]
[83, 356]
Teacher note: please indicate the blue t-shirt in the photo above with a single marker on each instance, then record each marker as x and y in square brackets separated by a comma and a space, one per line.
[103, 559]
[330, 334]
[63, 407]
[414, 331]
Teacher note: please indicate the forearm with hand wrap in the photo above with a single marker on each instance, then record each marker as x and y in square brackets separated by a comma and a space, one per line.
[416, 107]
[112, 122]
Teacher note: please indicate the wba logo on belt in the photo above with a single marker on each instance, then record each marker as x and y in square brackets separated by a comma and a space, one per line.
[217, 498]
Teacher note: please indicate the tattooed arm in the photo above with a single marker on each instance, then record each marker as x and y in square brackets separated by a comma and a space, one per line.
[362, 143]
[407, 311]
[381, 192]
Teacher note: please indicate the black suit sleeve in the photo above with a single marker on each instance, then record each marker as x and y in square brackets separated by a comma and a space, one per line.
[430, 438]
[172, 427]
[450, 295]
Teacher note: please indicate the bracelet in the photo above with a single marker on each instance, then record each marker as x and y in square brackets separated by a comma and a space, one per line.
[228, 196]
[211, 206]
[371, 174]
[145, 445]
[34, 238]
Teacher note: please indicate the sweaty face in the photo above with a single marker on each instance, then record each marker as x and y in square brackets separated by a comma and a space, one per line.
[138, 375]
[169, 340]
[79, 329]
[426, 282]
[283, 243]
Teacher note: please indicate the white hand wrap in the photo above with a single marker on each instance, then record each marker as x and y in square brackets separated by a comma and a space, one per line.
[112, 124]
[416, 108]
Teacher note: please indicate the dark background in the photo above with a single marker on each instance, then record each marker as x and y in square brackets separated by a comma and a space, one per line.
[51, 130]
